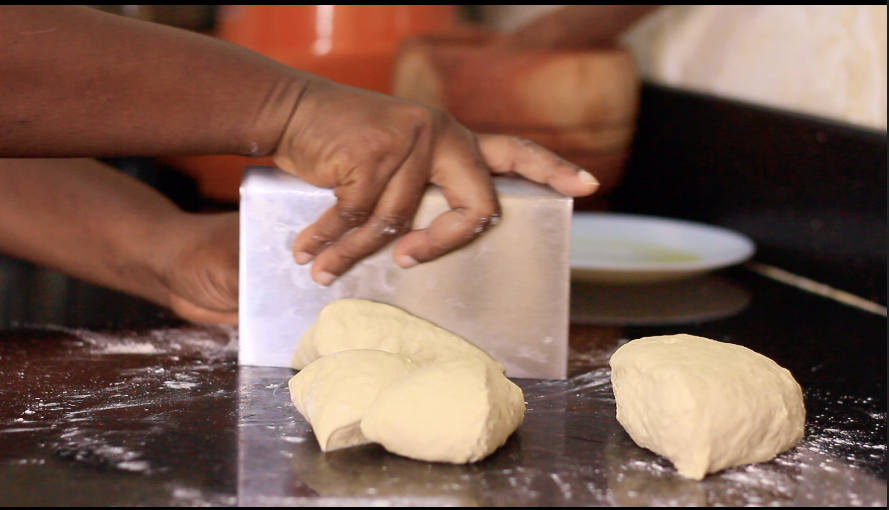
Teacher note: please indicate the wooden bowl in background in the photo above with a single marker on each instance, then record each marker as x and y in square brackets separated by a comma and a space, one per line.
[580, 104]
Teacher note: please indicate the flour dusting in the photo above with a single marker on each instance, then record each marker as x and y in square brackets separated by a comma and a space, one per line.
[195, 339]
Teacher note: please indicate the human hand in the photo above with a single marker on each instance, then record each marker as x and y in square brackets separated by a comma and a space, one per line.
[99, 225]
[379, 153]
[201, 271]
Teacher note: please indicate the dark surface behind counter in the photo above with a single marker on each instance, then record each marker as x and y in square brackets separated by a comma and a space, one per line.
[810, 192]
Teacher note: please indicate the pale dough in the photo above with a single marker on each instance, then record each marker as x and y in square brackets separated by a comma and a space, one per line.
[334, 392]
[458, 411]
[705, 405]
[373, 372]
[361, 324]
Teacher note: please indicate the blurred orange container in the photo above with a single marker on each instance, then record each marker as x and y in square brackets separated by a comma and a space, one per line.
[351, 44]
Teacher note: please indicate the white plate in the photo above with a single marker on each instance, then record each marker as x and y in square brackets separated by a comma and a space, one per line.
[626, 248]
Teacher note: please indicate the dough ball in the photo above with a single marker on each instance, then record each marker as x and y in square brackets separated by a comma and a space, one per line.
[373, 372]
[705, 405]
[361, 324]
[334, 392]
[457, 411]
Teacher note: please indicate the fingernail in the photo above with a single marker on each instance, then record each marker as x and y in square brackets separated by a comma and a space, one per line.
[406, 261]
[324, 278]
[304, 258]
[587, 178]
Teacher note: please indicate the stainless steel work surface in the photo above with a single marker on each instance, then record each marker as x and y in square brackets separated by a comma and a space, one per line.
[569, 451]
[125, 406]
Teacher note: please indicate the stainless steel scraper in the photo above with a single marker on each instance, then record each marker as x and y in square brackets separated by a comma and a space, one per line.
[507, 292]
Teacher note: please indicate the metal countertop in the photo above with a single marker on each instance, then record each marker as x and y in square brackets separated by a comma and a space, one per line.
[109, 401]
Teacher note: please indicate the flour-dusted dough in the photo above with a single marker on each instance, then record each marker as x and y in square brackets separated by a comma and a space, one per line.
[458, 411]
[373, 372]
[361, 324]
[705, 405]
[334, 392]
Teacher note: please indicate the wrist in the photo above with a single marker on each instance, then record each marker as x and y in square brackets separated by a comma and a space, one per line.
[152, 251]
[198, 263]
[319, 99]
[278, 105]
[168, 241]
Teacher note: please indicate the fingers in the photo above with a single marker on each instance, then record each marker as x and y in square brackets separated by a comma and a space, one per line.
[391, 217]
[465, 180]
[190, 311]
[506, 154]
[360, 225]
[355, 203]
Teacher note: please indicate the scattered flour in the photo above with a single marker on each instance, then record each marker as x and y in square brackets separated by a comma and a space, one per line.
[190, 339]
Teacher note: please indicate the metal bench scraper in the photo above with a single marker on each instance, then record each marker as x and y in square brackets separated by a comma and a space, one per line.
[507, 292]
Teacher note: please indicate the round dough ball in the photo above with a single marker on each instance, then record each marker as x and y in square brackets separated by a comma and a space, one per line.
[457, 411]
[705, 405]
[334, 392]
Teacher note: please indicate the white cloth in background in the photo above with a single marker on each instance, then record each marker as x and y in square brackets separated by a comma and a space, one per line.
[824, 60]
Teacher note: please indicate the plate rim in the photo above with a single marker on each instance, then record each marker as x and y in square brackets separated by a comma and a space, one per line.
[746, 252]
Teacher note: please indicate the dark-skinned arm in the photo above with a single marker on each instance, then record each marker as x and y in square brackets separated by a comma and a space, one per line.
[79, 82]
[95, 223]
[76, 81]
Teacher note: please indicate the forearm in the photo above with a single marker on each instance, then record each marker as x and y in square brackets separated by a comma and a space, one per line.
[80, 82]
[90, 221]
